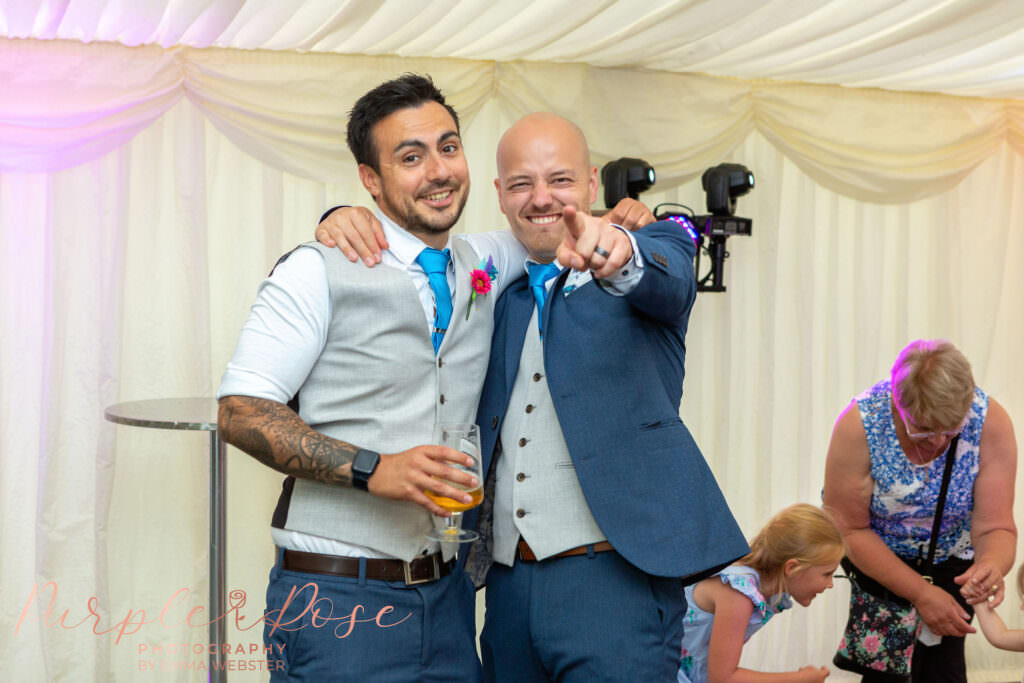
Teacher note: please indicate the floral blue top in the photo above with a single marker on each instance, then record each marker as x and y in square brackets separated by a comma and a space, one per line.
[693, 666]
[904, 498]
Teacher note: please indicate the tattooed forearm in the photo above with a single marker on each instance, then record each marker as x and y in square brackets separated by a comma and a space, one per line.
[272, 433]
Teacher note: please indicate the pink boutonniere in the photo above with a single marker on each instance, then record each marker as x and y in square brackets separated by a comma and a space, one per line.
[480, 278]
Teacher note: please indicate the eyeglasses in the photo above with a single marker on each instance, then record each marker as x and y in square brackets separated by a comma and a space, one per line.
[929, 435]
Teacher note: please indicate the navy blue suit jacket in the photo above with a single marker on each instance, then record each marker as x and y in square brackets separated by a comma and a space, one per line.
[615, 371]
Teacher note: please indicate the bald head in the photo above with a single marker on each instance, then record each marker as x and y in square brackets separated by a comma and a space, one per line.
[546, 127]
[543, 166]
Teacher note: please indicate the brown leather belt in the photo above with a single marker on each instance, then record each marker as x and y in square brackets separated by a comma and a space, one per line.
[421, 570]
[524, 552]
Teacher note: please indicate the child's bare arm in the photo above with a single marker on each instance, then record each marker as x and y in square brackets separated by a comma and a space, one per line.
[732, 612]
[995, 630]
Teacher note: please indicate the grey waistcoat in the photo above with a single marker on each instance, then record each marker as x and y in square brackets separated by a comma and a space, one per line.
[378, 385]
[537, 493]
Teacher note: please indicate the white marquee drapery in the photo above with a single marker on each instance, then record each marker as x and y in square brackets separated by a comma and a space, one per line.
[149, 178]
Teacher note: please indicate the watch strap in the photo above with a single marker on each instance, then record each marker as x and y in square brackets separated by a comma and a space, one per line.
[363, 466]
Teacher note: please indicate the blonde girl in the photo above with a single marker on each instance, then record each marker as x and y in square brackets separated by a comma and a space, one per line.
[791, 559]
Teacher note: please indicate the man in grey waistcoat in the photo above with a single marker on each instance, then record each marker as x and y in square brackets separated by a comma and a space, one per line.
[373, 358]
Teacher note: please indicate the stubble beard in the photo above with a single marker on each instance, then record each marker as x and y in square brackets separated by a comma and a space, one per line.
[418, 221]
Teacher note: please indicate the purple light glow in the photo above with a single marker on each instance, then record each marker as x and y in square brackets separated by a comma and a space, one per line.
[685, 222]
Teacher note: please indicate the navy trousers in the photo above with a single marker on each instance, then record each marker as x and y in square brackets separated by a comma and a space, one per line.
[322, 628]
[586, 618]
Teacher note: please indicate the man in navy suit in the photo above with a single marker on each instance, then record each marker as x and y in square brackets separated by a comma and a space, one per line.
[598, 498]
[601, 499]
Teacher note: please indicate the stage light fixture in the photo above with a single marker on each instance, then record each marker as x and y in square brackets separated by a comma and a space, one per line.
[625, 177]
[723, 184]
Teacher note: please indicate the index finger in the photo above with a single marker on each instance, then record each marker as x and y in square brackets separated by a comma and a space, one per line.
[573, 219]
[962, 628]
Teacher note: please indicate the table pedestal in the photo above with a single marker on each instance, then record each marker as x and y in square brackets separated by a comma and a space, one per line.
[196, 414]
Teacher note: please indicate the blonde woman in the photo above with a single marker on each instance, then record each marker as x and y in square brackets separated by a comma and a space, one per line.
[883, 475]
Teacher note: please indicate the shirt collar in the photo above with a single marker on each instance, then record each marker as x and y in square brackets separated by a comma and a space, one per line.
[529, 260]
[402, 244]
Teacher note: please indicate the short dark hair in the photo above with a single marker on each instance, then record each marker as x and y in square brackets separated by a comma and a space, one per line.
[408, 91]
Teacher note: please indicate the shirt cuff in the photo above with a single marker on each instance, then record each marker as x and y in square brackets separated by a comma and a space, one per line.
[625, 279]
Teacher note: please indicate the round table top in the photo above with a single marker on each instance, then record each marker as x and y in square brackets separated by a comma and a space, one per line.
[198, 414]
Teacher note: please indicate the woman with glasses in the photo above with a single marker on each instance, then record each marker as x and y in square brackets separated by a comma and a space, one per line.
[885, 467]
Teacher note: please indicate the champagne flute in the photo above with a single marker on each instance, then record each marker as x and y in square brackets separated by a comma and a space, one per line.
[464, 438]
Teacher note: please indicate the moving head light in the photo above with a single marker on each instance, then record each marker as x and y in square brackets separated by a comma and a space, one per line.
[625, 177]
[723, 184]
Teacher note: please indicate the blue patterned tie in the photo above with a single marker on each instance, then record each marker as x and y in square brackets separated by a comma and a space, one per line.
[539, 274]
[435, 265]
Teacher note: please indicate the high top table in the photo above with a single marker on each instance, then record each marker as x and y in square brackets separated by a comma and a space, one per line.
[195, 414]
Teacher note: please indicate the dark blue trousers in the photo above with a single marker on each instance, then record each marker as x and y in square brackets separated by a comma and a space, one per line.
[586, 618]
[323, 629]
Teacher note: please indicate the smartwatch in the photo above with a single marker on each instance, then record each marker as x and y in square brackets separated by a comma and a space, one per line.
[363, 467]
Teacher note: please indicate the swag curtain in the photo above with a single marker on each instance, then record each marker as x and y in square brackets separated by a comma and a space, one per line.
[145, 192]
[66, 103]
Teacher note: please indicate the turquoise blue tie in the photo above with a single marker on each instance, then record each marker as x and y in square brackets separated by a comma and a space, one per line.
[539, 274]
[435, 265]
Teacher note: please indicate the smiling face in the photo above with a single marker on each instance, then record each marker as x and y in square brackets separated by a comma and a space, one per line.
[543, 166]
[423, 182]
[805, 582]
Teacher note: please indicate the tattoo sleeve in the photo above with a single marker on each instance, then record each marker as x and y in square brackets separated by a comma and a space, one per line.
[275, 435]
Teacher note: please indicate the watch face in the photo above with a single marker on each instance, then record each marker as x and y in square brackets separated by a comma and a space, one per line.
[365, 462]
[363, 466]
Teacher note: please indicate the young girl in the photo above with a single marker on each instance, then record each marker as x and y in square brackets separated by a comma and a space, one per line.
[792, 558]
[994, 628]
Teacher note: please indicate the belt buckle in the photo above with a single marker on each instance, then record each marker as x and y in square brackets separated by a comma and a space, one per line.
[409, 581]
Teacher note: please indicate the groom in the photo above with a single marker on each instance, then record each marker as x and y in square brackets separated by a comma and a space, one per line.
[602, 499]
